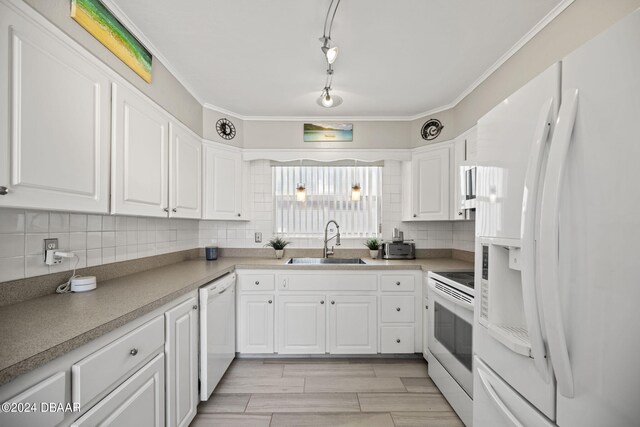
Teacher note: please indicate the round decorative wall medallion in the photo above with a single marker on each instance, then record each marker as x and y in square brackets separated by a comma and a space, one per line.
[225, 129]
[431, 129]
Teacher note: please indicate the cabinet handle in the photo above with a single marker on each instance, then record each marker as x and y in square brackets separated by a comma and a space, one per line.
[333, 302]
[166, 209]
[239, 215]
[398, 340]
[397, 308]
[133, 351]
[321, 302]
[415, 216]
[397, 283]
[270, 301]
[257, 282]
[3, 190]
[195, 307]
[459, 213]
[426, 307]
[174, 210]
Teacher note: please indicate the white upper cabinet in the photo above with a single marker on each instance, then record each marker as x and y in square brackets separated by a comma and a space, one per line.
[428, 184]
[185, 172]
[224, 186]
[54, 121]
[140, 163]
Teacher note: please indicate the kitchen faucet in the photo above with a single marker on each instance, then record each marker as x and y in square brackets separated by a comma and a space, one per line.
[326, 252]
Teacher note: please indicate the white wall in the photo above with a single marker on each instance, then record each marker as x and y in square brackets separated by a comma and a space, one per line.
[236, 234]
[97, 239]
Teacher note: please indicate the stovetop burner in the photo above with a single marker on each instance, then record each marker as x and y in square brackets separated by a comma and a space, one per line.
[464, 278]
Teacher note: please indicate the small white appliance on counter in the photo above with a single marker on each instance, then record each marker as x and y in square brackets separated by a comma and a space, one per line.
[450, 338]
[556, 336]
[217, 331]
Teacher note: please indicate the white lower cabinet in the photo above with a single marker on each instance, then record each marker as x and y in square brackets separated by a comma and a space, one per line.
[352, 324]
[52, 389]
[139, 401]
[301, 324]
[181, 349]
[397, 339]
[255, 323]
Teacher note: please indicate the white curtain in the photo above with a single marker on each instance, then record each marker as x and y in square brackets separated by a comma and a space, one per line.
[328, 196]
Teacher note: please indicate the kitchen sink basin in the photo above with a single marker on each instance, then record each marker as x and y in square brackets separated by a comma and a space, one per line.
[326, 261]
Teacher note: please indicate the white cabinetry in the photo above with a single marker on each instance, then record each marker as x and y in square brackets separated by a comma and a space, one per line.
[139, 401]
[181, 349]
[427, 184]
[55, 121]
[224, 183]
[140, 163]
[255, 324]
[301, 324]
[52, 389]
[185, 172]
[352, 324]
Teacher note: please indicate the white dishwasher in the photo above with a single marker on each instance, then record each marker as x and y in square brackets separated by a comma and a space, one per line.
[217, 331]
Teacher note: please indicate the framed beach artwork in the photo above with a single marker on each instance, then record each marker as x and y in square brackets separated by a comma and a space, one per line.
[328, 132]
[94, 17]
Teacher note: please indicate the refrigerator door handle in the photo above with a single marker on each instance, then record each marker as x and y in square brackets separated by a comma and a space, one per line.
[528, 236]
[502, 407]
[548, 248]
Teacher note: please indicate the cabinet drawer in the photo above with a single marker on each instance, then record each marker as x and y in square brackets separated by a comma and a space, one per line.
[50, 390]
[256, 282]
[397, 282]
[397, 308]
[396, 339]
[139, 401]
[104, 368]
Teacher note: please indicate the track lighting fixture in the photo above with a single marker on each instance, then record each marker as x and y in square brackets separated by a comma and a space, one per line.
[330, 52]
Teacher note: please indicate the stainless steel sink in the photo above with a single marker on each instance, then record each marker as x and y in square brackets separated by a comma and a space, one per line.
[325, 261]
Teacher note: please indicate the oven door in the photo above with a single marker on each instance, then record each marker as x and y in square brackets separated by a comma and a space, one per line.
[450, 332]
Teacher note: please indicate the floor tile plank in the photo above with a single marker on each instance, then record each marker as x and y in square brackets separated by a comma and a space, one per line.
[402, 402]
[303, 402]
[220, 402]
[260, 385]
[231, 420]
[333, 420]
[426, 419]
[409, 370]
[254, 370]
[352, 385]
[419, 385]
[328, 370]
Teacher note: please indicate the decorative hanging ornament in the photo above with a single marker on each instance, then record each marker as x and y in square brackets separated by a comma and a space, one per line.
[431, 129]
[225, 129]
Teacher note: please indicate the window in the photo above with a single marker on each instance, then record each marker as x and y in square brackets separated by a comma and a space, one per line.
[328, 196]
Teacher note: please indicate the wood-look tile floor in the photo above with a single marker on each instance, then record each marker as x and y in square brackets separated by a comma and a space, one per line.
[326, 392]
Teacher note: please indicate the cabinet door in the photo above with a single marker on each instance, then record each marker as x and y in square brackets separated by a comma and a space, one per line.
[54, 122]
[458, 194]
[181, 350]
[223, 190]
[139, 172]
[301, 324]
[52, 389]
[431, 184]
[185, 173]
[353, 324]
[139, 401]
[255, 331]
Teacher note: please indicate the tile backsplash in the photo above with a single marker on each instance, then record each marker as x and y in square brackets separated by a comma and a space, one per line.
[102, 239]
[96, 239]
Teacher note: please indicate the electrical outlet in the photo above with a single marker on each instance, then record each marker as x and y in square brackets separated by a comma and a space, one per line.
[258, 237]
[50, 244]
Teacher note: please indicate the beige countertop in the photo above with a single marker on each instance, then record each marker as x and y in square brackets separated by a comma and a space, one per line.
[37, 331]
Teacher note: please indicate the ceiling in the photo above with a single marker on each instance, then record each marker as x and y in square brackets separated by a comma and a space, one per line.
[397, 58]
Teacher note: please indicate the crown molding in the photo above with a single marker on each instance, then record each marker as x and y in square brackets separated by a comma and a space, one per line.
[117, 11]
[133, 28]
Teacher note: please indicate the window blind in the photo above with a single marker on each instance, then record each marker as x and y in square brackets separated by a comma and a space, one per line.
[328, 196]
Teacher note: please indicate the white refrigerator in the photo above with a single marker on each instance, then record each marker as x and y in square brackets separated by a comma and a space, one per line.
[557, 323]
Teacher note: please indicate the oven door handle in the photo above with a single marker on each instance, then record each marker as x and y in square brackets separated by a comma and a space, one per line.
[463, 304]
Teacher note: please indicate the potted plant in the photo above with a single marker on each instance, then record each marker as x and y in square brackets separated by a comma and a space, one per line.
[374, 246]
[278, 244]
